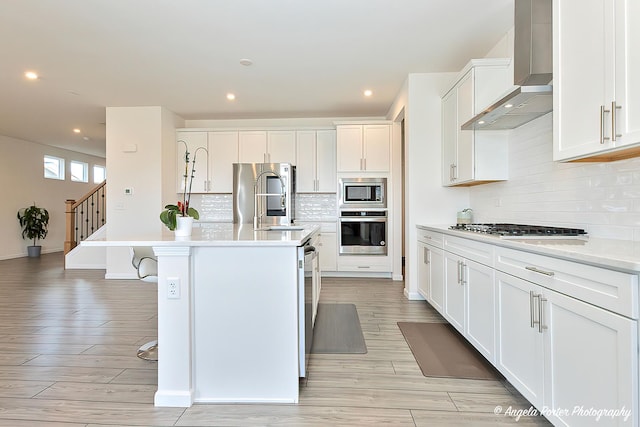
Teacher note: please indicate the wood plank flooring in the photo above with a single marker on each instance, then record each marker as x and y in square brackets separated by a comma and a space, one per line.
[68, 340]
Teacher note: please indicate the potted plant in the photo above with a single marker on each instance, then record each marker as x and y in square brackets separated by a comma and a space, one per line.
[179, 217]
[34, 222]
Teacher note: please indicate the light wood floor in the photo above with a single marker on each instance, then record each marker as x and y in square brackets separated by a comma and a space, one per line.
[67, 358]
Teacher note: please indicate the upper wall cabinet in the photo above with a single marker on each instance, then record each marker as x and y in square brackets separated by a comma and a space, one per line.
[470, 157]
[267, 146]
[214, 153]
[596, 67]
[316, 161]
[364, 148]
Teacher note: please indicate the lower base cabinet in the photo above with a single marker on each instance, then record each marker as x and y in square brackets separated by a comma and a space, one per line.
[567, 357]
[575, 361]
[520, 355]
[469, 302]
[431, 275]
[591, 362]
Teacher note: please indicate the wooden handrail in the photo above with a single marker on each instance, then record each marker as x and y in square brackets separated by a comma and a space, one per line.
[84, 216]
[89, 194]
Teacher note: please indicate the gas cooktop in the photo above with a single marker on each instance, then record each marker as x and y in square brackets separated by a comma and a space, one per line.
[521, 230]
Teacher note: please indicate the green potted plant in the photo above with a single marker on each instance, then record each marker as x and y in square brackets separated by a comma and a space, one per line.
[34, 222]
[179, 217]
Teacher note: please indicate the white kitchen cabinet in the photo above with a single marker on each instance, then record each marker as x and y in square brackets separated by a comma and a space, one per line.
[196, 144]
[570, 351]
[431, 274]
[223, 153]
[267, 146]
[281, 147]
[252, 146]
[329, 251]
[431, 268]
[470, 297]
[363, 148]
[316, 161]
[596, 94]
[520, 357]
[328, 244]
[602, 373]
[454, 291]
[214, 153]
[474, 157]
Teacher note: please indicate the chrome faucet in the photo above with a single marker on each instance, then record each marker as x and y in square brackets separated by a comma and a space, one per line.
[283, 195]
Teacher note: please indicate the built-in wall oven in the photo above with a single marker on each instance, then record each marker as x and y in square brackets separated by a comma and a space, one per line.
[363, 232]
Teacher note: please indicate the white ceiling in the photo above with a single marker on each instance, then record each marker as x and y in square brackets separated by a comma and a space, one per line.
[311, 58]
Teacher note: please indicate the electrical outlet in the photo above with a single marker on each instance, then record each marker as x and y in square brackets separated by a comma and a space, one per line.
[173, 288]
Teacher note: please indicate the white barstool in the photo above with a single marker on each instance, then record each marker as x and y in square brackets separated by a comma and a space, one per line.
[146, 265]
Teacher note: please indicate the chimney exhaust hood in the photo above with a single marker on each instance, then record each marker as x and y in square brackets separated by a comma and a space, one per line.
[532, 72]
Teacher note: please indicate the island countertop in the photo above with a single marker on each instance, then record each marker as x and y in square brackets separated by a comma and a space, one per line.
[217, 234]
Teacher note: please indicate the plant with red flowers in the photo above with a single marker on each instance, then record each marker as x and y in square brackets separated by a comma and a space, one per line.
[170, 213]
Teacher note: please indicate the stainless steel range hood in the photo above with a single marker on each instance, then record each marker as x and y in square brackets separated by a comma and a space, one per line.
[532, 72]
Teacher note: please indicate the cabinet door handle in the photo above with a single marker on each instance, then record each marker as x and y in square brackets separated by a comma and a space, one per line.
[458, 272]
[364, 161]
[537, 270]
[533, 297]
[455, 171]
[614, 116]
[462, 275]
[602, 137]
[425, 256]
[531, 307]
[541, 325]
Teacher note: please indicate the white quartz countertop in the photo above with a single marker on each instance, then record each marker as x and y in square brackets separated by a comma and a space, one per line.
[216, 234]
[609, 253]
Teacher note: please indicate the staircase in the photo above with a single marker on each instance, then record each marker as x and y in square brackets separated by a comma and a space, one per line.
[86, 220]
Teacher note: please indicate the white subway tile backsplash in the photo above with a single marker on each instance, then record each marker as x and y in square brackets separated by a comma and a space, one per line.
[603, 198]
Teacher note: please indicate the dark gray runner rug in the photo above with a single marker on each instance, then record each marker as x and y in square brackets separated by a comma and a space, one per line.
[337, 330]
[442, 352]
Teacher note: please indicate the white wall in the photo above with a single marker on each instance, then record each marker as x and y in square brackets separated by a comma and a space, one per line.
[23, 183]
[426, 200]
[139, 141]
[603, 198]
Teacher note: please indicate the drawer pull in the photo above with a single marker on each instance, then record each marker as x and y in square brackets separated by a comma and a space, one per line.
[537, 270]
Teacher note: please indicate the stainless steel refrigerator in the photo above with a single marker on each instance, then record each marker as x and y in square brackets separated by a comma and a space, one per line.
[263, 194]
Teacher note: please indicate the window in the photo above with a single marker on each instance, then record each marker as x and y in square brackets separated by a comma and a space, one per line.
[99, 174]
[53, 167]
[79, 171]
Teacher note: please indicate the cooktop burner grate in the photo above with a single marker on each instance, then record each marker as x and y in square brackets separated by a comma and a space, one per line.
[520, 230]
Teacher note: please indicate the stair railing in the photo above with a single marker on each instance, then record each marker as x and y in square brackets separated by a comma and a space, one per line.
[85, 216]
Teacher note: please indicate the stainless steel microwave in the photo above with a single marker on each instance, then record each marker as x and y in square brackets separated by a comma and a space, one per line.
[363, 193]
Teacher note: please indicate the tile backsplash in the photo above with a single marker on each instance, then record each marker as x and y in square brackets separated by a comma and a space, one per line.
[603, 198]
[309, 207]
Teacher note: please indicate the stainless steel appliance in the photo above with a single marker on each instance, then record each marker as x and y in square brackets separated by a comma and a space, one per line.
[506, 231]
[308, 286]
[363, 232]
[263, 194]
[363, 193]
[533, 71]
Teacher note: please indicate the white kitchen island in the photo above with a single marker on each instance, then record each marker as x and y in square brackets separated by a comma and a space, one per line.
[230, 332]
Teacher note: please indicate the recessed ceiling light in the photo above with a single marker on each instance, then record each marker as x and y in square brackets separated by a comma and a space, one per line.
[86, 138]
[481, 122]
[31, 75]
[368, 92]
[76, 130]
[231, 96]
[508, 106]
[246, 62]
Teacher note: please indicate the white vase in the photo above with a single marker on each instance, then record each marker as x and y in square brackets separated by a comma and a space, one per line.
[184, 226]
